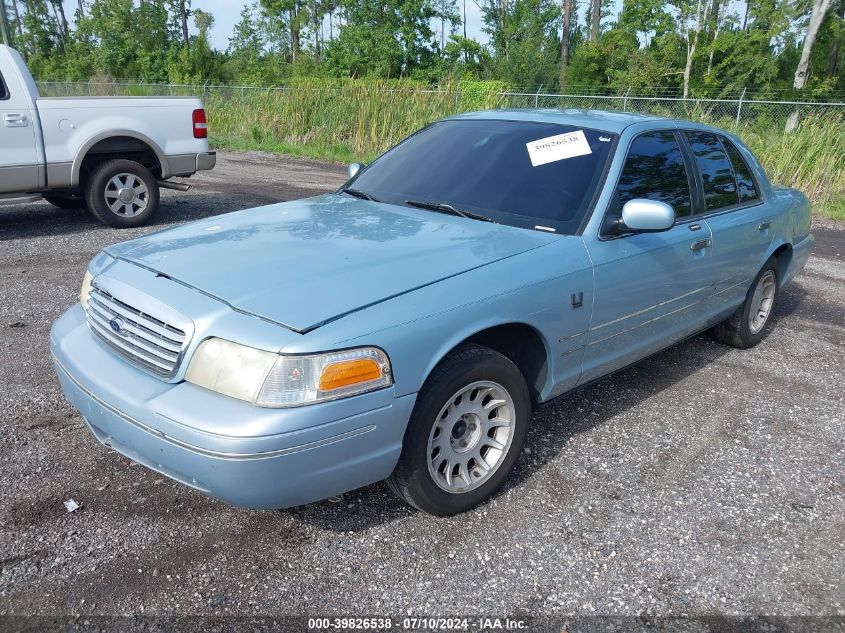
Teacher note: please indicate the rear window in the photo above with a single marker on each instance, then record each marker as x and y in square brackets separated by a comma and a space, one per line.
[744, 178]
[717, 175]
[521, 173]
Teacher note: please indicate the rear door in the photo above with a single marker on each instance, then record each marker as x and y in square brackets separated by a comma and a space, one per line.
[734, 210]
[649, 287]
[19, 155]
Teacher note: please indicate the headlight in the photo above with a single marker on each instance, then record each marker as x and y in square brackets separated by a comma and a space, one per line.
[228, 368]
[273, 380]
[86, 290]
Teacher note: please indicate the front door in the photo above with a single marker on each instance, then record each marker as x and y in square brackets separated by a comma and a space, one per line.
[19, 157]
[648, 286]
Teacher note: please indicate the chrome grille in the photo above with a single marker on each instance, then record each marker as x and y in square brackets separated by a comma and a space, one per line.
[139, 337]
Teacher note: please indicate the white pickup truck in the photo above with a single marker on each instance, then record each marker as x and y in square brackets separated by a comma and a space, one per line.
[110, 154]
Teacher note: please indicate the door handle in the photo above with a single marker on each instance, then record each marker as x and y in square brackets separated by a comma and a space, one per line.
[698, 245]
[695, 227]
[14, 120]
[764, 225]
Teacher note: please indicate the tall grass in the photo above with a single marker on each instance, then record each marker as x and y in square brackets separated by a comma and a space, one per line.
[812, 159]
[358, 119]
[353, 118]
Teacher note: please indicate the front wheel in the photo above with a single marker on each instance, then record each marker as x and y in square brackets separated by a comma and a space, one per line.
[746, 326]
[122, 193]
[465, 434]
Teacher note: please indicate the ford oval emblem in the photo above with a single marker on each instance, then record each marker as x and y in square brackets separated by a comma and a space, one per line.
[116, 324]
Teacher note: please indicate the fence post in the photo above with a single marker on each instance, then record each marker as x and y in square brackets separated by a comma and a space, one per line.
[739, 106]
[625, 100]
[537, 97]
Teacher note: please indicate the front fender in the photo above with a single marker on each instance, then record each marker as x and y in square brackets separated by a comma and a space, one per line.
[419, 328]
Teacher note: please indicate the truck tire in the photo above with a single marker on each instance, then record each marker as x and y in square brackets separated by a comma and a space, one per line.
[122, 193]
[465, 433]
[746, 327]
[66, 201]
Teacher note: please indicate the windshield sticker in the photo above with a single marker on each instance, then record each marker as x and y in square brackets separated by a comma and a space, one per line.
[560, 147]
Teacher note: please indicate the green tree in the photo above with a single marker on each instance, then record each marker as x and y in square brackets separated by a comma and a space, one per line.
[39, 40]
[525, 40]
[247, 47]
[292, 14]
[446, 12]
[388, 38]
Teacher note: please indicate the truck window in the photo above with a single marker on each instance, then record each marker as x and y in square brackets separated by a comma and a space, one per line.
[4, 92]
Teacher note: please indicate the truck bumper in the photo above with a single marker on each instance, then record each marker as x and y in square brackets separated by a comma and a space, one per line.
[187, 164]
[320, 450]
[206, 160]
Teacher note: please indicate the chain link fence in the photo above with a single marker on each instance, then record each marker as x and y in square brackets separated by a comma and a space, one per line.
[738, 111]
[758, 112]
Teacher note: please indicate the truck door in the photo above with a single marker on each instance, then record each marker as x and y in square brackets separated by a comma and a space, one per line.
[20, 159]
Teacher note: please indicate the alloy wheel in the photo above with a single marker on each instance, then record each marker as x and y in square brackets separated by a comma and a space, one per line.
[126, 195]
[471, 436]
[761, 302]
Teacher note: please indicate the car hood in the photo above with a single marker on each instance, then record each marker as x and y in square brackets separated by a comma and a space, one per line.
[304, 263]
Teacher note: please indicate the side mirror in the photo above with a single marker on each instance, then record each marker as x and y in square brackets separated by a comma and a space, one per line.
[354, 168]
[641, 214]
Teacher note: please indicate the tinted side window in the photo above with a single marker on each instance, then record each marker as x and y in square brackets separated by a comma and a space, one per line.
[655, 169]
[4, 94]
[716, 173]
[747, 188]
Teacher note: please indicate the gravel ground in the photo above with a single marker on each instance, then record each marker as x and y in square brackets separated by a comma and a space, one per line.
[704, 480]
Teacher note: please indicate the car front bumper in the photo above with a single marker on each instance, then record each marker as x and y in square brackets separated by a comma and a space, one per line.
[304, 454]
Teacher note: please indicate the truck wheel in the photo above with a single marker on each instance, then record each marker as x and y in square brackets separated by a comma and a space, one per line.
[66, 201]
[122, 193]
[746, 326]
[465, 434]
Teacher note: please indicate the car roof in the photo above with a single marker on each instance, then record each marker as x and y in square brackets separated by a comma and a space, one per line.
[604, 120]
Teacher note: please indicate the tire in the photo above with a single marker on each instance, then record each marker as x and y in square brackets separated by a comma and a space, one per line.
[114, 178]
[66, 201]
[747, 326]
[457, 404]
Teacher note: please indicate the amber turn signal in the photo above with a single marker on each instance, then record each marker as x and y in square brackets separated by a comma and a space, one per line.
[349, 372]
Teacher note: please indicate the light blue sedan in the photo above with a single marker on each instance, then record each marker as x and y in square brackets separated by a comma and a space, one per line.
[405, 326]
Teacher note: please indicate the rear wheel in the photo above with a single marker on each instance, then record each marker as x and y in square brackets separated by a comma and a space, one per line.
[66, 201]
[746, 326]
[122, 193]
[465, 434]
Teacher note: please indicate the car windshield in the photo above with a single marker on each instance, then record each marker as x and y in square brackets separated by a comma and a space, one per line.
[533, 175]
